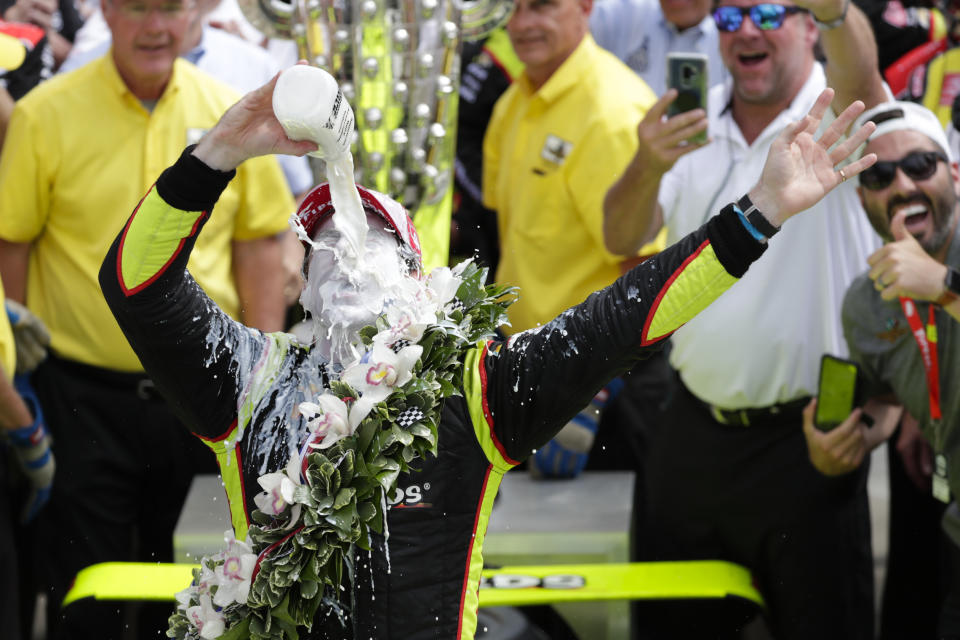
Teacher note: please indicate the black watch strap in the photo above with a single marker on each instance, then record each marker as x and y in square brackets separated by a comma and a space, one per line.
[951, 292]
[952, 280]
[757, 219]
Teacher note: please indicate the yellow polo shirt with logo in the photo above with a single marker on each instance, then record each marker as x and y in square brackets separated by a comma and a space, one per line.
[81, 151]
[548, 159]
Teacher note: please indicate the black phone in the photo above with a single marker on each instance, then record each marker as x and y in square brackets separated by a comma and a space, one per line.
[838, 393]
[687, 73]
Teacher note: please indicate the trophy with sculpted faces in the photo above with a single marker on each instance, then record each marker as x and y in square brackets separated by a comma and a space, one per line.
[398, 64]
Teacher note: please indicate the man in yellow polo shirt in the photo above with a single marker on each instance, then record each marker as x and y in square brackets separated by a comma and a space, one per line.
[559, 137]
[124, 462]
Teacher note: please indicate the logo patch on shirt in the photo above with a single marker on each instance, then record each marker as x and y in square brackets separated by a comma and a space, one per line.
[194, 135]
[412, 497]
[556, 149]
[894, 331]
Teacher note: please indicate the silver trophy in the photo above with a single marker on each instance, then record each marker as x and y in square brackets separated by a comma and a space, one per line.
[398, 63]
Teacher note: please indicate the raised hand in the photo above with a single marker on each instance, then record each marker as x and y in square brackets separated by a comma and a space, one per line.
[663, 141]
[800, 168]
[903, 268]
[248, 129]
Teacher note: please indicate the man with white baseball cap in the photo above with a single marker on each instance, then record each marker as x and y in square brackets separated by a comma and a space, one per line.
[900, 317]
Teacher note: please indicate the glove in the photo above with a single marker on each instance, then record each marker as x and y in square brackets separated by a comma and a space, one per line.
[29, 334]
[31, 445]
[566, 455]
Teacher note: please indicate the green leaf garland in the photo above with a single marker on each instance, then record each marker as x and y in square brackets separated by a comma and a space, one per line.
[347, 486]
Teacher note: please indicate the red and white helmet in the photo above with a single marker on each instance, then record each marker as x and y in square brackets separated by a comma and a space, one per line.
[317, 207]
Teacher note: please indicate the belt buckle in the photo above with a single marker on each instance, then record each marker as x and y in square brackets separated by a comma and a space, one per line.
[735, 417]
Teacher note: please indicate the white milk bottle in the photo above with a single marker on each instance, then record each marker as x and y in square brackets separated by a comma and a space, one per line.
[310, 106]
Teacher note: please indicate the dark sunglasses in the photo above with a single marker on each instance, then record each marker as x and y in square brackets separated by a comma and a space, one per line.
[765, 16]
[918, 165]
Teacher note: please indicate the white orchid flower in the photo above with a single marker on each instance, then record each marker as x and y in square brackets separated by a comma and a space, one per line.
[379, 374]
[201, 585]
[382, 371]
[329, 419]
[442, 285]
[406, 327]
[185, 596]
[328, 413]
[233, 576]
[208, 621]
[207, 576]
[278, 488]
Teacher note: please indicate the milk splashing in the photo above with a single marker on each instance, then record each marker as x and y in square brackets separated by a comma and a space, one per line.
[309, 105]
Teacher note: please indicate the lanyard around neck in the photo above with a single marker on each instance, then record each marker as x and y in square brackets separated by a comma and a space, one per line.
[926, 338]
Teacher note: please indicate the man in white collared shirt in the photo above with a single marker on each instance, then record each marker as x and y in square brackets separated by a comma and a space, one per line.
[642, 32]
[728, 475]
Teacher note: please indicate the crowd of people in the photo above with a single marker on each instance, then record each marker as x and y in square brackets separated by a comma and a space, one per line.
[643, 336]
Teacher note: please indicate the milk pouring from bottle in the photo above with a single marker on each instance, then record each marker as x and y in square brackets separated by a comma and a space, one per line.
[310, 106]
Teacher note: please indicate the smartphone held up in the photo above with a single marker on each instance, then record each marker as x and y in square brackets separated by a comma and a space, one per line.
[687, 73]
[838, 393]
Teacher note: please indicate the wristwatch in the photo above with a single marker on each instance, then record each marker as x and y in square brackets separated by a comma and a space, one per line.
[757, 219]
[952, 283]
[836, 22]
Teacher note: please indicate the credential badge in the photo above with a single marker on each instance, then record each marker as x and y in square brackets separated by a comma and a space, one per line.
[556, 149]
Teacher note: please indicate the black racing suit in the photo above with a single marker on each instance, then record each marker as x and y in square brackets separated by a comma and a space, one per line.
[228, 383]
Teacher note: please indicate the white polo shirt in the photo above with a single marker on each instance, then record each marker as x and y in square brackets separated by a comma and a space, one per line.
[636, 32]
[760, 343]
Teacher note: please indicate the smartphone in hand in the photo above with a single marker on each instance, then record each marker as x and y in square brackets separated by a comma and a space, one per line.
[687, 73]
[838, 393]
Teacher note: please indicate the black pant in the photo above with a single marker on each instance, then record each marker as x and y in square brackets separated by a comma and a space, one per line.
[948, 625]
[124, 465]
[629, 424]
[9, 570]
[750, 495]
[917, 558]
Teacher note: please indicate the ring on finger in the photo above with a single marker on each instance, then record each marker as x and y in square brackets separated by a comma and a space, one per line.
[843, 176]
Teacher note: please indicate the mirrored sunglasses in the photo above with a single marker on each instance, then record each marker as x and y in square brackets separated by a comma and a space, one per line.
[765, 16]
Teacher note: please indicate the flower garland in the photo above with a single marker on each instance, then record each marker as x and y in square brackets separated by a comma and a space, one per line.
[364, 431]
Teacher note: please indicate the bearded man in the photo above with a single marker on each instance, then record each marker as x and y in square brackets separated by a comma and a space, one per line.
[900, 317]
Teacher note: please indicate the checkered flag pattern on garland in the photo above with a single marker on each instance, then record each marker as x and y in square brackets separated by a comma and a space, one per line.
[456, 305]
[410, 417]
[399, 345]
